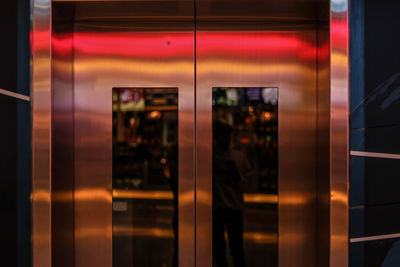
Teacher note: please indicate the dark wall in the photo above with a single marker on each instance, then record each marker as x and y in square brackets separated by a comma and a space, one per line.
[375, 127]
[15, 124]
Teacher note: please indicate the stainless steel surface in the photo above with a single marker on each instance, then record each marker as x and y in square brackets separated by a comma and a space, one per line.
[62, 205]
[297, 153]
[261, 53]
[339, 153]
[41, 133]
[133, 53]
[323, 124]
[93, 157]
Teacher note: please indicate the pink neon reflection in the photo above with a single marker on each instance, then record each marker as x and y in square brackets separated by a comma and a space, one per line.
[153, 45]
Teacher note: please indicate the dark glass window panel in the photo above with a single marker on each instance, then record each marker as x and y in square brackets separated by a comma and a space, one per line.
[379, 139]
[145, 176]
[374, 181]
[384, 253]
[245, 176]
[374, 220]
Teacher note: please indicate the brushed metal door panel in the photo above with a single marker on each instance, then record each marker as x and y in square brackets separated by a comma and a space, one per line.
[242, 52]
[105, 58]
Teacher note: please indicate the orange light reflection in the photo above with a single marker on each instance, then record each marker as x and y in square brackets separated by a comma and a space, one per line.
[167, 195]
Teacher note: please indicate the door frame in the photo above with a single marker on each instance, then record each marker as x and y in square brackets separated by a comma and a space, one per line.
[337, 122]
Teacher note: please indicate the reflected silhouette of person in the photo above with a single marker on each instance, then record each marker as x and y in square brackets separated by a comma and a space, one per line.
[231, 172]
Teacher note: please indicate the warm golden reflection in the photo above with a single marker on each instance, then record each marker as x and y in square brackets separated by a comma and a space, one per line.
[41, 196]
[143, 232]
[143, 68]
[261, 198]
[165, 195]
[256, 237]
[141, 194]
[339, 197]
[93, 195]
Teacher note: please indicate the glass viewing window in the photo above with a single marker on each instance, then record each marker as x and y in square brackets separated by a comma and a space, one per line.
[145, 176]
[245, 176]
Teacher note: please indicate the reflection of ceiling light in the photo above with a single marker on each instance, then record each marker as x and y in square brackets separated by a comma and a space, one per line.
[245, 140]
[132, 121]
[338, 6]
[270, 95]
[267, 116]
[247, 121]
[154, 114]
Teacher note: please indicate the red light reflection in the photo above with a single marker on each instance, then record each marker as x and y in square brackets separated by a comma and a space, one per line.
[156, 45]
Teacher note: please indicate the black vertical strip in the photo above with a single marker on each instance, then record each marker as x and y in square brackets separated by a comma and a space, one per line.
[356, 53]
[10, 134]
[357, 88]
[356, 96]
[8, 46]
[23, 47]
[8, 168]
[23, 136]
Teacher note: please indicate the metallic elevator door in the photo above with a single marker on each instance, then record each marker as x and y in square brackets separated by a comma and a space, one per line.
[256, 144]
[124, 85]
[190, 131]
[141, 82]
